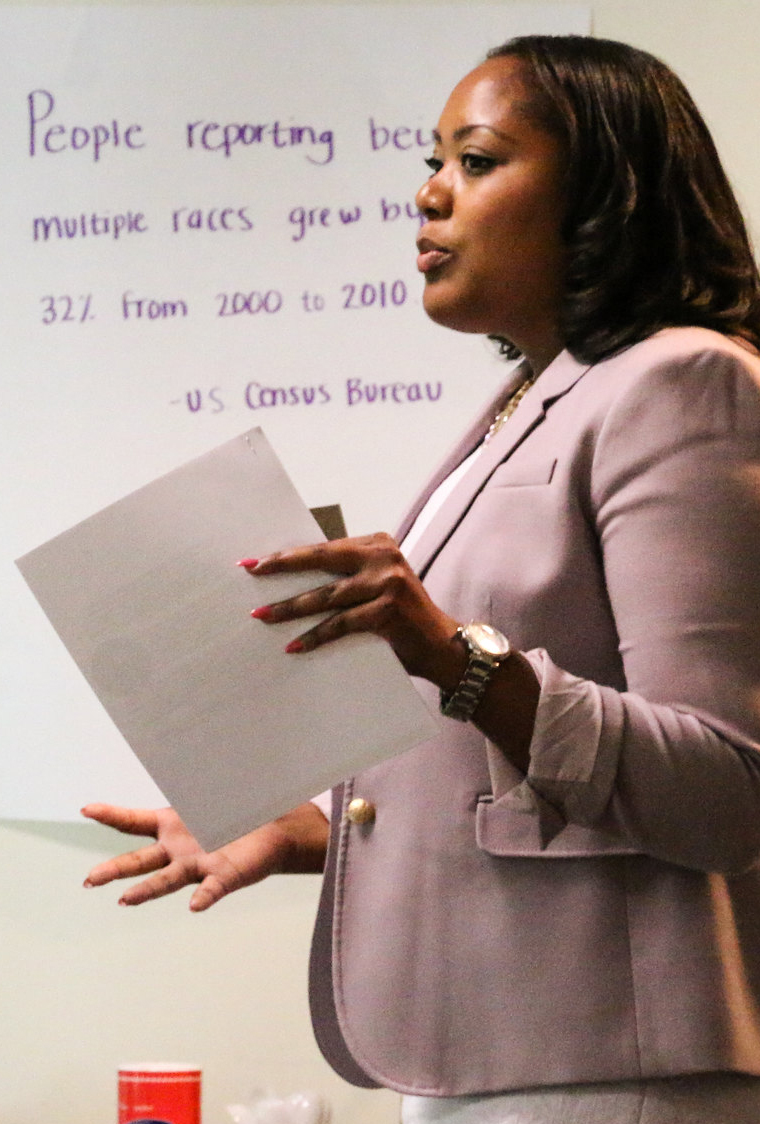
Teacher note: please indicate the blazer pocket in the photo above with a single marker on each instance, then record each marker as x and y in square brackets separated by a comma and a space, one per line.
[504, 830]
[516, 474]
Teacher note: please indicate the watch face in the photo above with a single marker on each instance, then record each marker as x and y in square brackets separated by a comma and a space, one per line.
[489, 639]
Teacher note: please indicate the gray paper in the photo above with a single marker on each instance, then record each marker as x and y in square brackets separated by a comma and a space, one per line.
[148, 599]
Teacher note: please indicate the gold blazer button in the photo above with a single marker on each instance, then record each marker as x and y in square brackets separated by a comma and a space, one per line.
[360, 811]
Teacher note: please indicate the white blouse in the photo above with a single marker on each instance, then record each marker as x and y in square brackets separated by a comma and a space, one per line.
[431, 506]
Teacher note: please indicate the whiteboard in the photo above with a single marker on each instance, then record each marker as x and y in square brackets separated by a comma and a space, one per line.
[208, 223]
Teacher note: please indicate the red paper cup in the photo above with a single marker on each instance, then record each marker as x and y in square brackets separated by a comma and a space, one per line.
[157, 1093]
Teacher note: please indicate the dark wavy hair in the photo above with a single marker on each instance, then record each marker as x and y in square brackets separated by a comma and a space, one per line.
[654, 233]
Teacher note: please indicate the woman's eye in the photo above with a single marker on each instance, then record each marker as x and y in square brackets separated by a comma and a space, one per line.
[476, 164]
[434, 164]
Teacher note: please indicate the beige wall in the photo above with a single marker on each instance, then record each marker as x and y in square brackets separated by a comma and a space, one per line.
[85, 984]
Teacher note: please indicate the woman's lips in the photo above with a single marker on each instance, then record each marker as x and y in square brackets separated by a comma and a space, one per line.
[431, 256]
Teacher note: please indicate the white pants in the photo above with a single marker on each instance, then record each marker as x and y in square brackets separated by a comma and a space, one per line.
[711, 1098]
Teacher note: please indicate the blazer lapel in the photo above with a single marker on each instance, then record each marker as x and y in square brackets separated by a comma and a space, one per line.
[467, 442]
[553, 383]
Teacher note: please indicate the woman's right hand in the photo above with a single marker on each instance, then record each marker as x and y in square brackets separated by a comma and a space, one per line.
[294, 843]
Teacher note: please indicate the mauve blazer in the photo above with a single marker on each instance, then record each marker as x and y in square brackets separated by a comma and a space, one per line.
[598, 919]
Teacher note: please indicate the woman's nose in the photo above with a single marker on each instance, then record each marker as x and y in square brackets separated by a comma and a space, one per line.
[434, 198]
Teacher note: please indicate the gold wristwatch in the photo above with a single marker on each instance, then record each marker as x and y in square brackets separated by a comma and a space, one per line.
[488, 648]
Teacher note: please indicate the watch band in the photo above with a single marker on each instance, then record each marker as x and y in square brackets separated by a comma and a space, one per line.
[462, 702]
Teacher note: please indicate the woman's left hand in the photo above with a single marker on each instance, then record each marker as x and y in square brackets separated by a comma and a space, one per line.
[374, 590]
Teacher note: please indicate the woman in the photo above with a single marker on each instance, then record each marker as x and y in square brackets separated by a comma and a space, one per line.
[551, 911]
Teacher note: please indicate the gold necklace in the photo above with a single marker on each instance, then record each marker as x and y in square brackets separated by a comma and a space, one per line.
[513, 402]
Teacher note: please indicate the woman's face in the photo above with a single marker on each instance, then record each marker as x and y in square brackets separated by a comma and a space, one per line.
[491, 249]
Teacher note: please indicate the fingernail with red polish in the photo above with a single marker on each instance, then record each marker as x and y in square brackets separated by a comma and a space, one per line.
[294, 646]
[249, 563]
[263, 613]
